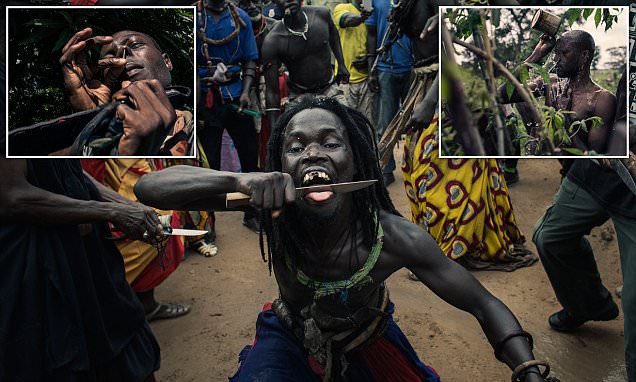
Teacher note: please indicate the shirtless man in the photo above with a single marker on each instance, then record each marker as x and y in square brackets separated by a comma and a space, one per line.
[303, 41]
[573, 55]
[319, 141]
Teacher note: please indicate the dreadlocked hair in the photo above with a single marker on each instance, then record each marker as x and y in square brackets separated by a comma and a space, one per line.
[284, 234]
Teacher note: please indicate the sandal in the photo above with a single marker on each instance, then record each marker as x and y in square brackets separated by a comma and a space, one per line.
[167, 311]
[204, 248]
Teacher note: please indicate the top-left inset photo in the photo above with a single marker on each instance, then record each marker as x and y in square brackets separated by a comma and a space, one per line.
[100, 82]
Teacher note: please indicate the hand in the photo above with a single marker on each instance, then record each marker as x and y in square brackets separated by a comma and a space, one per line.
[134, 220]
[422, 114]
[372, 82]
[544, 46]
[86, 91]
[342, 77]
[364, 14]
[148, 121]
[430, 26]
[270, 190]
[244, 102]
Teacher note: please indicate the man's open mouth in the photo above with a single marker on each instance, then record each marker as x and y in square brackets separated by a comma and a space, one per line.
[133, 69]
[317, 177]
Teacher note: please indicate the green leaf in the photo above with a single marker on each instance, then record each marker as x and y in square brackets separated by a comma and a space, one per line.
[574, 125]
[67, 17]
[496, 16]
[598, 16]
[64, 37]
[509, 89]
[573, 15]
[558, 120]
[573, 150]
[542, 72]
[35, 37]
[523, 75]
[587, 12]
[46, 23]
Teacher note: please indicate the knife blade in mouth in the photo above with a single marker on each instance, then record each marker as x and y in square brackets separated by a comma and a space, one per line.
[237, 199]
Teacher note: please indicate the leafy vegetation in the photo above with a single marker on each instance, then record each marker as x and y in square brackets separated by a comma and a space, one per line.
[37, 36]
[507, 34]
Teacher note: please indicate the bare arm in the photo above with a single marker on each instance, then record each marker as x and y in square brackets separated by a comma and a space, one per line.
[350, 20]
[334, 42]
[544, 47]
[271, 65]
[107, 194]
[22, 202]
[371, 54]
[249, 73]
[420, 253]
[194, 188]
[606, 109]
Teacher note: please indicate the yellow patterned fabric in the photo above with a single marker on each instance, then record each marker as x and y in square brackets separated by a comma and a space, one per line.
[121, 175]
[463, 203]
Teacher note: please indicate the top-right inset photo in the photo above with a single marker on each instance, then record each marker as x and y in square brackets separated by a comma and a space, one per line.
[534, 82]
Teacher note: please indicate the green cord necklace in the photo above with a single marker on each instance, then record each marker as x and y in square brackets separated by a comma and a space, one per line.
[359, 279]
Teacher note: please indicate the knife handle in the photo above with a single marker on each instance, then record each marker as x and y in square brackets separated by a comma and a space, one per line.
[236, 199]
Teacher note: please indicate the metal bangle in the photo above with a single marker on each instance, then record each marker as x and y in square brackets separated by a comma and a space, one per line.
[524, 365]
[272, 109]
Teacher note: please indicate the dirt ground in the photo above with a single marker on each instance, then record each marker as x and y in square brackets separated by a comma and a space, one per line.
[228, 291]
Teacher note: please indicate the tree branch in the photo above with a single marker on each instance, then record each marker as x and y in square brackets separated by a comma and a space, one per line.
[523, 93]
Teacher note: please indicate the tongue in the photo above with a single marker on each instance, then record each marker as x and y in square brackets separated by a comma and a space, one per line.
[319, 196]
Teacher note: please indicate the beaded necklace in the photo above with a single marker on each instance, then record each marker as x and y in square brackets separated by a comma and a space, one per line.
[360, 278]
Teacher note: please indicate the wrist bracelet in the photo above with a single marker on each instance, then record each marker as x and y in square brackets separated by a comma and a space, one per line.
[272, 109]
[524, 365]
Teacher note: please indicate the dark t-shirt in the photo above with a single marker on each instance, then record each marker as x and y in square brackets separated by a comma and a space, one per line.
[272, 11]
[64, 301]
[605, 186]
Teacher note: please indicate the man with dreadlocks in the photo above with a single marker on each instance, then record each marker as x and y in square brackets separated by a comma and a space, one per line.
[463, 204]
[331, 253]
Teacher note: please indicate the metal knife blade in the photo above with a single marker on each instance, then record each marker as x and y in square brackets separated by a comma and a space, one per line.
[237, 199]
[184, 232]
[337, 187]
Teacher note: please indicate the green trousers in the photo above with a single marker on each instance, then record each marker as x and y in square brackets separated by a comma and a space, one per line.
[569, 261]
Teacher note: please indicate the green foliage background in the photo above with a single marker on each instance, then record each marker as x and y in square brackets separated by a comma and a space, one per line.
[37, 36]
[513, 40]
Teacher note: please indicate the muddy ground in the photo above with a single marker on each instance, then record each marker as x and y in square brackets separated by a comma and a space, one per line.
[228, 291]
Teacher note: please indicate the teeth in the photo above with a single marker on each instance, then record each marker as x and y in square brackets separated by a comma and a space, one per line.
[312, 174]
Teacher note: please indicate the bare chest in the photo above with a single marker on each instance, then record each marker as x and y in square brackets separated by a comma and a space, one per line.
[335, 288]
[301, 44]
[582, 103]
